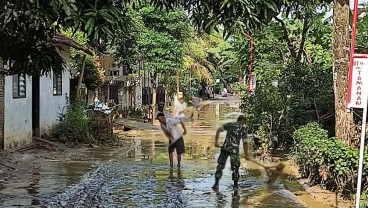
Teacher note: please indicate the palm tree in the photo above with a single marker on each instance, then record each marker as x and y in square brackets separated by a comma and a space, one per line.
[196, 62]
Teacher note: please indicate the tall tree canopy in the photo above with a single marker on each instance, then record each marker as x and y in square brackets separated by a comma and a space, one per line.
[207, 14]
[28, 27]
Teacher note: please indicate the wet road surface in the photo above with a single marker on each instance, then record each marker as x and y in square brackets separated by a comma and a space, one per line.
[139, 176]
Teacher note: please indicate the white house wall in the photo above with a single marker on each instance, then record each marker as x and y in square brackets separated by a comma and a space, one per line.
[18, 111]
[17, 115]
[52, 105]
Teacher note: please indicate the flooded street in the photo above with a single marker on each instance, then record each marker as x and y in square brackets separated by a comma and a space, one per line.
[138, 175]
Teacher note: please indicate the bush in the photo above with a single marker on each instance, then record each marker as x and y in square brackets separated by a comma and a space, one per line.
[328, 161]
[79, 125]
[364, 199]
[304, 94]
[73, 125]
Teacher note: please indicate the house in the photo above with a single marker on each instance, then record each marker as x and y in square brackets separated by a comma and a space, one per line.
[121, 87]
[32, 104]
[127, 90]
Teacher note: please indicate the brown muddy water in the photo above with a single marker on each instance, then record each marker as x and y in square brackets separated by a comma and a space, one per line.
[139, 176]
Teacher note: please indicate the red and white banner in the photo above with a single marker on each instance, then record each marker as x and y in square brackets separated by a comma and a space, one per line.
[358, 85]
[252, 82]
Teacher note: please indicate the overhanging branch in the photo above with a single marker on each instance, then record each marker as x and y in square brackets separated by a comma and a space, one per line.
[62, 39]
[304, 37]
[286, 37]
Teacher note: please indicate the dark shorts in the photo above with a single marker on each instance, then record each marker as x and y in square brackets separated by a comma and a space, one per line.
[178, 145]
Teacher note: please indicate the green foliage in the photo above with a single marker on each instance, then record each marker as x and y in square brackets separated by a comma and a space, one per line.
[328, 161]
[196, 59]
[79, 125]
[125, 48]
[295, 51]
[240, 87]
[364, 203]
[93, 73]
[163, 39]
[304, 94]
[269, 110]
[74, 125]
[231, 14]
[27, 28]
[265, 136]
[310, 88]
[362, 34]
[229, 66]
[167, 43]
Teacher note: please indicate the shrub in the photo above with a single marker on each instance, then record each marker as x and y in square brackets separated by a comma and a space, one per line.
[74, 125]
[79, 125]
[364, 199]
[328, 161]
[304, 94]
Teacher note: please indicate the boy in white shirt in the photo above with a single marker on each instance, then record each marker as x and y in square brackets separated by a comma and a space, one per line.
[179, 110]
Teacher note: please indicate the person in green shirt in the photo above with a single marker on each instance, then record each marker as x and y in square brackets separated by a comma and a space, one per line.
[236, 132]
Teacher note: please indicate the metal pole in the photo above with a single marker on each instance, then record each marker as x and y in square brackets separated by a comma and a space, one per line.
[352, 49]
[361, 158]
[251, 43]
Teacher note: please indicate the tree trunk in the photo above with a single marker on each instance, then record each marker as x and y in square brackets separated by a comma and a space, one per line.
[345, 128]
[2, 84]
[81, 75]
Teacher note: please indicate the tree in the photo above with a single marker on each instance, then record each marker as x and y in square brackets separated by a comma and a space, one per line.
[196, 59]
[296, 21]
[27, 29]
[345, 127]
[163, 42]
[231, 14]
[305, 90]
[125, 48]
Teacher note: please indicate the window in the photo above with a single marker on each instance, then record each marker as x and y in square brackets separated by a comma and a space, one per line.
[58, 84]
[19, 86]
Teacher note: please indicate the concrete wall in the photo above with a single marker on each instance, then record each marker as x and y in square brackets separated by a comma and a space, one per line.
[52, 105]
[17, 115]
[125, 97]
[18, 111]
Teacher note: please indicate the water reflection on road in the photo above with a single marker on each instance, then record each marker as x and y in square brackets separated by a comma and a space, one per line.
[191, 186]
[139, 176]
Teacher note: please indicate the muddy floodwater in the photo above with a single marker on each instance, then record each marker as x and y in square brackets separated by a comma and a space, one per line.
[138, 175]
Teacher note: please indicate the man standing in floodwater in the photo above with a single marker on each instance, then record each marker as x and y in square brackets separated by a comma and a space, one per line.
[235, 132]
[175, 136]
